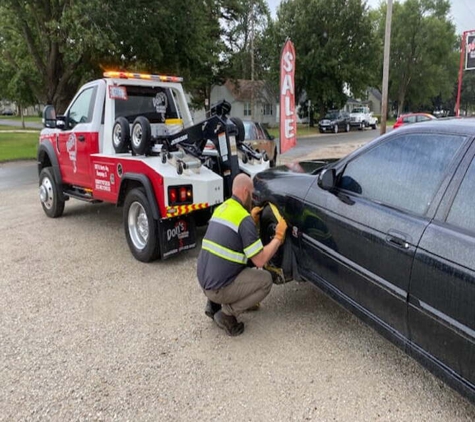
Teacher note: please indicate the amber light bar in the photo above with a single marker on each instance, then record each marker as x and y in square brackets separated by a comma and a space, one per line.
[130, 75]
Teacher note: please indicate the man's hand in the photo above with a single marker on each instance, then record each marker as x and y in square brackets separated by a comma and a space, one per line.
[280, 230]
[255, 214]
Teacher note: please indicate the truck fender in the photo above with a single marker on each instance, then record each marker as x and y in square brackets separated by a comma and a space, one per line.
[136, 180]
[46, 157]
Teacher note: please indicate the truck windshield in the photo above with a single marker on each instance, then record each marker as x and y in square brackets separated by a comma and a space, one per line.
[358, 110]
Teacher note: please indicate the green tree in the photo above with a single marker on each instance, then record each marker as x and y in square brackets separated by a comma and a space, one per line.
[424, 52]
[66, 43]
[334, 44]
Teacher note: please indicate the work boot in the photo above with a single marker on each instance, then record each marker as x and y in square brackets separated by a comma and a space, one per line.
[211, 308]
[229, 324]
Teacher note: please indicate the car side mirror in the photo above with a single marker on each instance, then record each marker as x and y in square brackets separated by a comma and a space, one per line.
[49, 117]
[61, 122]
[327, 179]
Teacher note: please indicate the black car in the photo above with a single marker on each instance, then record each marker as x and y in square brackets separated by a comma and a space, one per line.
[389, 232]
[335, 121]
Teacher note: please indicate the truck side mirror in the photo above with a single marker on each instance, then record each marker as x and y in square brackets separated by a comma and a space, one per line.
[327, 179]
[49, 117]
[61, 122]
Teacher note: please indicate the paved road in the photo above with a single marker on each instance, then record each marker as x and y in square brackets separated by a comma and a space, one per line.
[89, 333]
[16, 123]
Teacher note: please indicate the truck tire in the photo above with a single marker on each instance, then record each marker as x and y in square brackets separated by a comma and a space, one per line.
[141, 229]
[50, 197]
[335, 128]
[347, 127]
[240, 127]
[121, 135]
[374, 126]
[141, 136]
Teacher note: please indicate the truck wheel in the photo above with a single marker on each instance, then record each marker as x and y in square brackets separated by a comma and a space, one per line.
[240, 127]
[141, 135]
[361, 126]
[374, 126]
[141, 229]
[347, 127]
[335, 128]
[121, 135]
[52, 204]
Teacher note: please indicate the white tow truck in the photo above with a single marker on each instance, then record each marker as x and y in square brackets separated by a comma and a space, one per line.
[129, 139]
[361, 118]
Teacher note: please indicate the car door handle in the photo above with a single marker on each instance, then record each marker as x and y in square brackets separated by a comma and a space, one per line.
[81, 138]
[398, 239]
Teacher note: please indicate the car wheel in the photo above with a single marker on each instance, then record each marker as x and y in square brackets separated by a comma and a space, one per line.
[273, 162]
[202, 216]
[321, 130]
[335, 128]
[121, 135]
[268, 223]
[141, 136]
[347, 127]
[141, 228]
[52, 203]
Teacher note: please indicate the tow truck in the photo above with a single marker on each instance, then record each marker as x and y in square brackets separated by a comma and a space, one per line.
[129, 139]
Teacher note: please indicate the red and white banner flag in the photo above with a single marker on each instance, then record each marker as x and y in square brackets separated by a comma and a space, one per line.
[288, 118]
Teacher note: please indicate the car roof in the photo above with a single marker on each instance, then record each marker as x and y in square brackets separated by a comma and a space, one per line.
[464, 126]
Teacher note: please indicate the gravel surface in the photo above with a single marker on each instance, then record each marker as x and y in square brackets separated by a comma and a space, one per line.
[88, 333]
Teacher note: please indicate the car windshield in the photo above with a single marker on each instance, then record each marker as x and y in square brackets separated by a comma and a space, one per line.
[331, 115]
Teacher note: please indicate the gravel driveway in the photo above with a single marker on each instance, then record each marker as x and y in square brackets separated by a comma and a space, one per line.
[89, 333]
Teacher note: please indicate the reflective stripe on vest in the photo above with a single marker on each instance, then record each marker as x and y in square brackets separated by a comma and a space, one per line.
[223, 252]
[251, 250]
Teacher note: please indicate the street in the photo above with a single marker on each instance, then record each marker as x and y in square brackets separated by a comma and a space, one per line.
[89, 333]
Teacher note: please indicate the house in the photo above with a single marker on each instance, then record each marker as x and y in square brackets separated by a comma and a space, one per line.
[250, 100]
[373, 100]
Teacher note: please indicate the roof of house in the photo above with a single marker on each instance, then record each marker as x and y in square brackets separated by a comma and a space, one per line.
[244, 89]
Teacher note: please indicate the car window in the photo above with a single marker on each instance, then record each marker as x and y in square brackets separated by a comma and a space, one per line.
[403, 172]
[82, 108]
[462, 212]
[260, 132]
[422, 118]
[249, 131]
[409, 119]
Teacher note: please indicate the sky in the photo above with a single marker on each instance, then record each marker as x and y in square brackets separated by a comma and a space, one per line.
[462, 11]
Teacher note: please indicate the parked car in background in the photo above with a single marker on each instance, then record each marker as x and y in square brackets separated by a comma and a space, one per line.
[361, 117]
[389, 233]
[256, 136]
[7, 112]
[406, 119]
[334, 121]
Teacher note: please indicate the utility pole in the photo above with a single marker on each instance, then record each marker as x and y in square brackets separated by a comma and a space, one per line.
[251, 23]
[387, 45]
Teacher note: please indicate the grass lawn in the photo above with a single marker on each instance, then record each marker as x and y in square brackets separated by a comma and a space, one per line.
[18, 145]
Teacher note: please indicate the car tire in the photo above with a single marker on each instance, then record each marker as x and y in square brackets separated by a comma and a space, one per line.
[240, 128]
[321, 130]
[121, 135]
[273, 162]
[50, 194]
[347, 127]
[141, 136]
[141, 229]
[268, 224]
[335, 129]
[202, 216]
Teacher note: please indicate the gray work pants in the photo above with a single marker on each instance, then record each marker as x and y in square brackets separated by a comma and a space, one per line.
[249, 288]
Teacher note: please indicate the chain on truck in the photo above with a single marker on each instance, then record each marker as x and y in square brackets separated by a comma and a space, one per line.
[129, 139]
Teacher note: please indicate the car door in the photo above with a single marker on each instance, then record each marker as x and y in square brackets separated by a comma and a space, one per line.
[79, 139]
[442, 290]
[360, 240]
